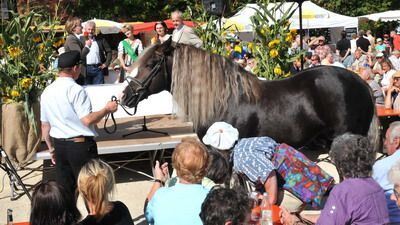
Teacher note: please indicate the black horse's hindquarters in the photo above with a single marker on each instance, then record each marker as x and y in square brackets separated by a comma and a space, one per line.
[308, 109]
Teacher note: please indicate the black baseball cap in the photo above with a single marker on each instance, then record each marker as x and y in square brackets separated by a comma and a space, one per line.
[69, 59]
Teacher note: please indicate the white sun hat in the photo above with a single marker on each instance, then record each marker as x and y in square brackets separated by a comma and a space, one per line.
[221, 135]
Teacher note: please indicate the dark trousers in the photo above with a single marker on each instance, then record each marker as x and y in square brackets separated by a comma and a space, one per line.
[94, 75]
[70, 157]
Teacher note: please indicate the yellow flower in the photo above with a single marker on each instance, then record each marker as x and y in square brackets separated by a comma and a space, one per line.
[14, 51]
[293, 31]
[288, 38]
[214, 51]
[26, 83]
[15, 93]
[40, 57]
[41, 46]
[250, 46]
[37, 39]
[277, 70]
[273, 43]
[273, 53]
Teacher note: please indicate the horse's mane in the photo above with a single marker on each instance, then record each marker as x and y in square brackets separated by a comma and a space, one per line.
[204, 85]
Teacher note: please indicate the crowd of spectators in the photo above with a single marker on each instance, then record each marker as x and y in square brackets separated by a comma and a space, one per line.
[197, 194]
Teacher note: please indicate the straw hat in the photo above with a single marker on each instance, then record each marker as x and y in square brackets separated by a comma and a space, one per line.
[221, 135]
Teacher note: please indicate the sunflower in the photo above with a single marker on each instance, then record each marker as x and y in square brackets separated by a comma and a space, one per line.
[37, 39]
[289, 38]
[277, 70]
[26, 83]
[273, 53]
[273, 43]
[15, 94]
[14, 51]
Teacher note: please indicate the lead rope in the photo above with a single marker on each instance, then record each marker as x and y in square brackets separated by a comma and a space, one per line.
[113, 98]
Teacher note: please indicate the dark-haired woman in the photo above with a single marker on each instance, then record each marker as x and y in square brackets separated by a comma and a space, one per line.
[358, 199]
[161, 33]
[51, 205]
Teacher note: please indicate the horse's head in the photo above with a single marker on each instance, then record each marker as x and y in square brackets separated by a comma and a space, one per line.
[154, 74]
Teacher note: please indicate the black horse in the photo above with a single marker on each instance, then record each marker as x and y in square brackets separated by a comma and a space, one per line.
[313, 106]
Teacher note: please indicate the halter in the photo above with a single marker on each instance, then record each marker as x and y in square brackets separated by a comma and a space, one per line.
[139, 93]
[142, 91]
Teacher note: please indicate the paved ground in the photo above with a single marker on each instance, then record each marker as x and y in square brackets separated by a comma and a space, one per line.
[131, 189]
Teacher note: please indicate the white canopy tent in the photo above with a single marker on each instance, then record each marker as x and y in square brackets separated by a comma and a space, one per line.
[313, 17]
[392, 15]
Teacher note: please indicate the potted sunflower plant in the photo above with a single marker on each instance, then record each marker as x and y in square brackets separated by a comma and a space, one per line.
[27, 46]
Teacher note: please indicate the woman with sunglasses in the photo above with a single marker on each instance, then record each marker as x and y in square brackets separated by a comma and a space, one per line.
[161, 33]
[387, 75]
[391, 99]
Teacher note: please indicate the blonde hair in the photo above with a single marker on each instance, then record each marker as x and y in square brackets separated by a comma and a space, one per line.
[96, 183]
[71, 24]
[127, 27]
[190, 159]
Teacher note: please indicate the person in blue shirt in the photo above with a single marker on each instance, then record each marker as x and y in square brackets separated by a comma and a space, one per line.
[381, 169]
[181, 203]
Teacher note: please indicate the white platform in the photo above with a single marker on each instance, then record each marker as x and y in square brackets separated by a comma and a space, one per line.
[156, 104]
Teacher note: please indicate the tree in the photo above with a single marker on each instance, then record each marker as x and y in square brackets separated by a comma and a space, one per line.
[358, 8]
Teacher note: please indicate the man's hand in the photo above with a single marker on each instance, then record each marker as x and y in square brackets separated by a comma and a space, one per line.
[53, 157]
[111, 106]
[88, 43]
[102, 66]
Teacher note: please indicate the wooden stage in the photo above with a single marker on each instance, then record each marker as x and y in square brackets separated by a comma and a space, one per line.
[143, 141]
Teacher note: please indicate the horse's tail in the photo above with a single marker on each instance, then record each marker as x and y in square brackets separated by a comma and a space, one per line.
[374, 134]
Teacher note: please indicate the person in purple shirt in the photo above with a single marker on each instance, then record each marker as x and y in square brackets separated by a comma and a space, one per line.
[358, 199]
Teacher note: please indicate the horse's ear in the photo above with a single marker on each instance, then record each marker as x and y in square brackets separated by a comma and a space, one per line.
[167, 46]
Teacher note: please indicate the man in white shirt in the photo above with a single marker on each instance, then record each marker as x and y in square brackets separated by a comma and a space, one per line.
[67, 118]
[99, 57]
[381, 168]
[182, 33]
[395, 59]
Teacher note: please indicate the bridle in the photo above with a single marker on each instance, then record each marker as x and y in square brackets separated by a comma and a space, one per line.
[143, 86]
[140, 93]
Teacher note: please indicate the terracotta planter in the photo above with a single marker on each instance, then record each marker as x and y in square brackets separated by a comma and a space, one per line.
[19, 137]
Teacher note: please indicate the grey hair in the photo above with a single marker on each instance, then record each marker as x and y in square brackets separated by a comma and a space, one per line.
[178, 13]
[394, 173]
[353, 155]
[90, 23]
[394, 128]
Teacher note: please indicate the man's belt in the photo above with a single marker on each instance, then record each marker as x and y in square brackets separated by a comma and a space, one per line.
[94, 65]
[78, 139]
